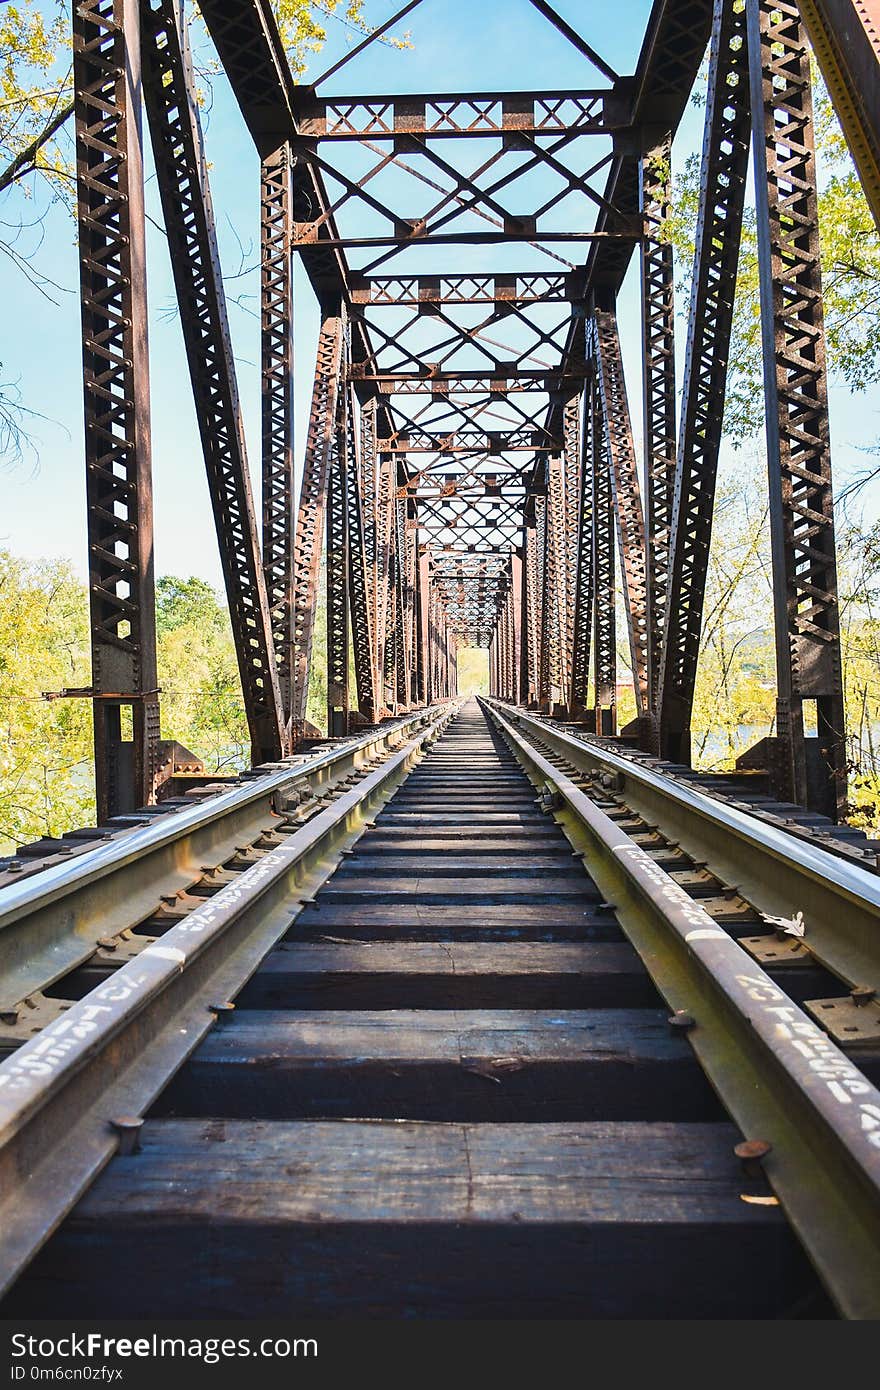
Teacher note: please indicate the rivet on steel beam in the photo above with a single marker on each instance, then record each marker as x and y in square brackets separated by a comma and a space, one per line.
[222, 1013]
[681, 1021]
[751, 1154]
[108, 943]
[128, 1128]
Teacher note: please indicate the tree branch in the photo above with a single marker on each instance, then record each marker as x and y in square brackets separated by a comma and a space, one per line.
[28, 155]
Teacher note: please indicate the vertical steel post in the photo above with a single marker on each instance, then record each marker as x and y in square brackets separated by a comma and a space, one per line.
[658, 385]
[582, 619]
[182, 176]
[110, 223]
[811, 772]
[719, 222]
[308, 539]
[336, 561]
[276, 363]
[604, 597]
[626, 495]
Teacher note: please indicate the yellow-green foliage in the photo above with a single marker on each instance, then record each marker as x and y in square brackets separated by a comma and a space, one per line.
[45, 778]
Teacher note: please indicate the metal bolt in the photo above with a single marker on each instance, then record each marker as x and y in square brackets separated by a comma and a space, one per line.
[681, 1021]
[862, 994]
[222, 1013]
[108, 943]
[128, 1128]
[751, 1154]
[9, 1016]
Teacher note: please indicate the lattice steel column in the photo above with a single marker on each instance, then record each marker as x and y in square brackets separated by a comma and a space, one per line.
[534, 592]
[658, 382]
[516, 626]
[808, 663]
[182, 176]
[336, 560]
[360, 578]
[385, 524]
[604, 598]
[582, 617]
[627, 500]
[110, 223]
[276, 321]
[722, 188]
[309, 535]
[571, 424]
[553, 691]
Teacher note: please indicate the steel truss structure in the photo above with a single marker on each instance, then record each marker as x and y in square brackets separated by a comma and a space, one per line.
[471, 464]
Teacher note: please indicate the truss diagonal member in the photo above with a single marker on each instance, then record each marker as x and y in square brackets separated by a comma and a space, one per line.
[806, 611]
[719, 223]
[845, 37]
[582, 615]
[182, 176]
[276, 310]
[658, 384]
[116, 390]
[337, 572]
[604, 605]
[627, 499]
[310, 516]
[360, 504]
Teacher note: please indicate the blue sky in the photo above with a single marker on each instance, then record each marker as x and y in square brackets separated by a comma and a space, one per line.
[457, 46]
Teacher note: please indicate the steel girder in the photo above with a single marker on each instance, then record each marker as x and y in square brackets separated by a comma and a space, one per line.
[604, 604]
[336, 573]
[182, 177]
[582, 619]
[807, 622]
[276, 343]
[552, 689]
[722, 190]
[320, 445]
[110, 223]
[845, 36]
[360, 502]
[625, 490]
[658, 388]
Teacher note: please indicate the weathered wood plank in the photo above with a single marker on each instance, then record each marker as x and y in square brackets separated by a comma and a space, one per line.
[445, 1065]
[392, 1220]
[471, 975]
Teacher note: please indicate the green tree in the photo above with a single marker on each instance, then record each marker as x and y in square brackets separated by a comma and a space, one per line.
[45, 768]
[850, 247]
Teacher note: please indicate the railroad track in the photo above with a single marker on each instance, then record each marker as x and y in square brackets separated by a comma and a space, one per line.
[512, 1037]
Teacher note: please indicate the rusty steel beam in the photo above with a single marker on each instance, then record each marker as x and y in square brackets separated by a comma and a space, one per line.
[276, 364]
[553, 606]
[625, 490]
[515, 288]
[604, 598]
[658, 386]
[337, 575]
[182, 176]
[582, 616]
[811, 772]
[456, 116]
[310, 519]
[719, 222]
[116, 392]
[845, 37]
[572, 452]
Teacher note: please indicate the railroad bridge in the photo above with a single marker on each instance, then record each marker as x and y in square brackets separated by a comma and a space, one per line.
[464, 1007]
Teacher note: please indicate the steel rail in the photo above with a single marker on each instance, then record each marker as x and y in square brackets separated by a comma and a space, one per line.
[72, 1096]
[777, 874]
[781, 1078]
[53, 921]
